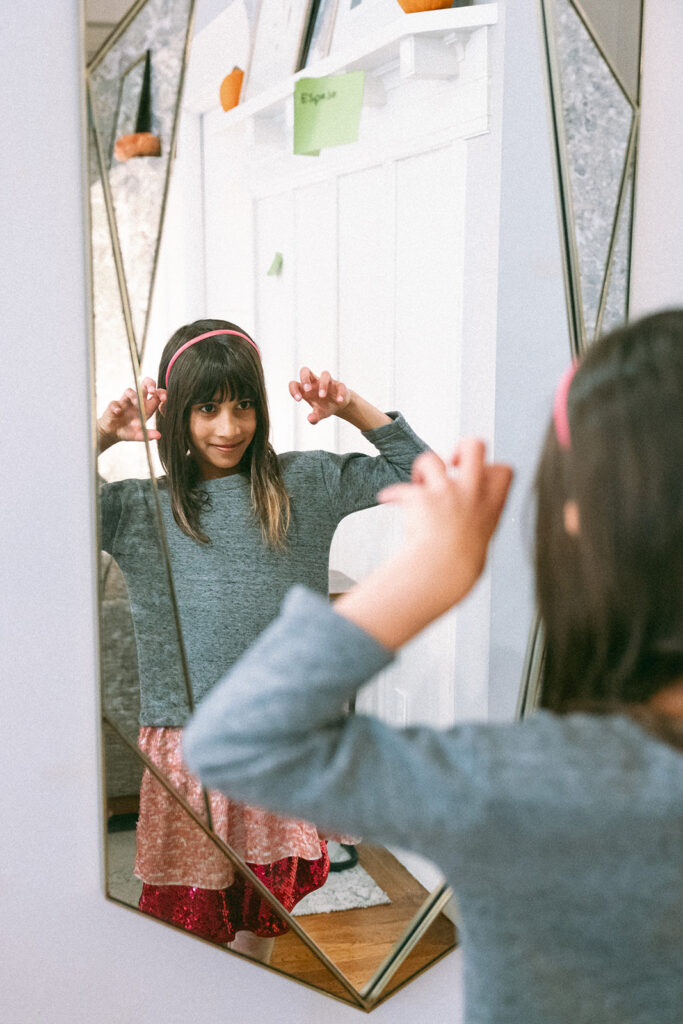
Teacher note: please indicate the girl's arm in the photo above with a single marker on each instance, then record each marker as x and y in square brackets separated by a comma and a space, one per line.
[352, 481]
[274, 731]
[121, 421]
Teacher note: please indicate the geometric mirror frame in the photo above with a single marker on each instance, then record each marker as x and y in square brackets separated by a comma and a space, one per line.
[152, 44]
[593, 57]
[594, 87]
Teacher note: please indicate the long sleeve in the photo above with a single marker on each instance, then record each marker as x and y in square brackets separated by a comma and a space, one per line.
[110, 513]
[556, 832]
[353, 480]
[273, 732]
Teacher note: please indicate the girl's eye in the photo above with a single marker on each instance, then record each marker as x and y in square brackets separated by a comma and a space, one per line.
[207, 407]
[246, 403]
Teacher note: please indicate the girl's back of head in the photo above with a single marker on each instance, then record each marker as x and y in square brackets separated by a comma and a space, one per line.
[609, 589]
[226, 366]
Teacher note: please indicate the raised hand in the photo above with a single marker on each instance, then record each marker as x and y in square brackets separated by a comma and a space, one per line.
[325, 395]
[121, 421]
[449, 522]
[452, 517]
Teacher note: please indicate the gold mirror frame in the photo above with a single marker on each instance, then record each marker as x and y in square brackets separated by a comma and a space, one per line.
[563, 110]
[398, 966]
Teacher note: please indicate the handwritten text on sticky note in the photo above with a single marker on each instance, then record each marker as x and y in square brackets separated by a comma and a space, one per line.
[327, 111]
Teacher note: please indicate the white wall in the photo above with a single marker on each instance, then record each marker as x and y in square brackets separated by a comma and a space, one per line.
[532, 339]
[68, 955]
[657, 280]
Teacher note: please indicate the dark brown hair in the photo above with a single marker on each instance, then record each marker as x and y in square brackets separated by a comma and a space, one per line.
[612, 597]
[215, 369]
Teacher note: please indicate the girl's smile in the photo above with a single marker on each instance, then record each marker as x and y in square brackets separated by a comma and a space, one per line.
[220, 433]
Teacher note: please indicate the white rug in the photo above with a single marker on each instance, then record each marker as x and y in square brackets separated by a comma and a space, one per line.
[343, 890]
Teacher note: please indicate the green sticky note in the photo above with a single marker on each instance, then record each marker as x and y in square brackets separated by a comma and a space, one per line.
[327, 111]
[276, 266]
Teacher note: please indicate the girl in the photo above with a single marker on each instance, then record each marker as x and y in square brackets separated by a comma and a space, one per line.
[562, 834]
[242, 525]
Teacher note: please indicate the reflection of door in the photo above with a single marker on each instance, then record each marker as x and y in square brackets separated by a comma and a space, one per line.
[378, 241]
[371, 285]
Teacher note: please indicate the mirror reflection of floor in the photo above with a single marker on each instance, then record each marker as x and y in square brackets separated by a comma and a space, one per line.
[357, 940]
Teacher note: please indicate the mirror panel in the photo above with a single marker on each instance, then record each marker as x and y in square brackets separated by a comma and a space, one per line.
[438, 939]
[617, 27]
[606, 42]
[139, 185]
[616, 301]
[597, 122]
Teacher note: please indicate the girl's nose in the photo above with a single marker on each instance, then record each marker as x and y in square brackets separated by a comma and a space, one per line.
[227, 425]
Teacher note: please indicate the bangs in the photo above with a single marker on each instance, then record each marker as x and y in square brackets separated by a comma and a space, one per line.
[221, 373]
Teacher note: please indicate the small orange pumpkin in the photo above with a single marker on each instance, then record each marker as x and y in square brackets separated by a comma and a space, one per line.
[137, 144]
[231, 87]
[413, 6]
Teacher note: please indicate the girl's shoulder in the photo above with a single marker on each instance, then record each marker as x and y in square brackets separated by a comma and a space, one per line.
[301, 464]
[130, 491]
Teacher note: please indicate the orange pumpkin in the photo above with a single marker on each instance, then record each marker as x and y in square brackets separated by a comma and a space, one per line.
[231, 87]
[412, 6]
[137, 144]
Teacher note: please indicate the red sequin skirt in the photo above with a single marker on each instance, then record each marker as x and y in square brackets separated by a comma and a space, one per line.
[218, 914]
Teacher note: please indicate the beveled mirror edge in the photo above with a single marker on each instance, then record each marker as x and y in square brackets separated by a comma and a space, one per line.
[532, 674]
[417, 927]
[626, 174]
[135, 367]
[107, 45]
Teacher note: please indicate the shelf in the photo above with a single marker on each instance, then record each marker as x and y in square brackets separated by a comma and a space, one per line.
[428, 45]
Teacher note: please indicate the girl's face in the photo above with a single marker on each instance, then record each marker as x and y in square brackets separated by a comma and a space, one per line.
[220, 433]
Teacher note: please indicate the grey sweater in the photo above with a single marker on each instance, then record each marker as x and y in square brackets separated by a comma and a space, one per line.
[562, 836]
[229, 590]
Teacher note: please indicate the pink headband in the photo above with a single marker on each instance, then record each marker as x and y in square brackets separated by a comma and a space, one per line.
[560, 415]
[200, 337]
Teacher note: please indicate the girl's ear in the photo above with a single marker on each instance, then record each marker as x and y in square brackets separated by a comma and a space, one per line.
[572, 522]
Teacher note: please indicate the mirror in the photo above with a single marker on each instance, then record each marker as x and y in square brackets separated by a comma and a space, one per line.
[364, 260]
[593, 54]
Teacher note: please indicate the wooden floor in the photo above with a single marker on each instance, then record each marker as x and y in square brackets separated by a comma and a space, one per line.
[357, 941]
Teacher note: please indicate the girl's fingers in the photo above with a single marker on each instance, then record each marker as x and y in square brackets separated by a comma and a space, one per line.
[395, 493]
[429, 469]
[341, 391]
[472, 458]
[324, 383]
[295, 390]
[499, 481]
[313, 417]
[308, 378]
